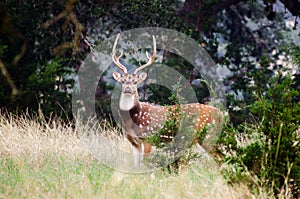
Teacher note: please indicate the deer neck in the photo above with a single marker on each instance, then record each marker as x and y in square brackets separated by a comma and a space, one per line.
[129, 102]
[130, 107]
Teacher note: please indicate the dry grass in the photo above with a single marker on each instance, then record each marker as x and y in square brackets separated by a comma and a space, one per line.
[47, 160]
[24, 137]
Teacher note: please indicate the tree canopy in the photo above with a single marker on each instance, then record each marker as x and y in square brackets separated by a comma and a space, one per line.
[44, 41]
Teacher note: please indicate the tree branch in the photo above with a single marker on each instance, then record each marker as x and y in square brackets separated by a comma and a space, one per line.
[10, 82]
[70, 17]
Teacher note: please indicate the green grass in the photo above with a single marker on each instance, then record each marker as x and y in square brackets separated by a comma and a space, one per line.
[53, 178]
[49, 161]
[62, 178]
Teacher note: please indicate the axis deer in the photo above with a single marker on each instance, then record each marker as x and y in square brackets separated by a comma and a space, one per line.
[140, 119]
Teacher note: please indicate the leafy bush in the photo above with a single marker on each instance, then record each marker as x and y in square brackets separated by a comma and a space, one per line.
[50, 88]
[176, 136]
[269, 146]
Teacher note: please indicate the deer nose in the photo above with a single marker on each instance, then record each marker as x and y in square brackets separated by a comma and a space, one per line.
[127, 90]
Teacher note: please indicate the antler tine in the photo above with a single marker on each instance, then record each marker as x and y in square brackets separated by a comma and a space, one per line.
[150, 59]
[115, 58]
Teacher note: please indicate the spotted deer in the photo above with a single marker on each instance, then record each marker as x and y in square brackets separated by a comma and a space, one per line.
[140, 119]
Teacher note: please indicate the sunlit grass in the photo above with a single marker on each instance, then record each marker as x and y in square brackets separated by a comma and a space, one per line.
[47, 160]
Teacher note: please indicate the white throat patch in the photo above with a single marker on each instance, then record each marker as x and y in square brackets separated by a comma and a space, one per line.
[126, 102]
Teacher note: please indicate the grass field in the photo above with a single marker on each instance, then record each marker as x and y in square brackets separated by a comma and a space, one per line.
[47, 160]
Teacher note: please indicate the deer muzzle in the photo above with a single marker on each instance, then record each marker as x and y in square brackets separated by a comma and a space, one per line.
[127, 90]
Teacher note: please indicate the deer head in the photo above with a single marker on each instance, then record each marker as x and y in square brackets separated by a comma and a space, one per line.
[129, 95]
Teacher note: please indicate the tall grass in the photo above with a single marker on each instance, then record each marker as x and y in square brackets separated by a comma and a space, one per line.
[40, 159]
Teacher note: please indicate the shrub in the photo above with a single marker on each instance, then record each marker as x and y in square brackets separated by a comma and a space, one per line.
[177, 136]
[271, 148]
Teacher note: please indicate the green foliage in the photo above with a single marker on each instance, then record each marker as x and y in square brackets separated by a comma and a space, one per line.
[295, 53]
[272, 148]
[38, 75]
[172, 124]
[280, 116]
[102, 19]
[177, 135]
[157, 14]
[50, 85]
[3, 49]
[251, 61]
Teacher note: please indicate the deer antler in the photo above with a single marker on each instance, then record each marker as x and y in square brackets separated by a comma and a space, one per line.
[115, 58]
[150, 59]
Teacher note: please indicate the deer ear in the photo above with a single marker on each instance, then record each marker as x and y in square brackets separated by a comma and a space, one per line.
[143, 76]
[116, 76]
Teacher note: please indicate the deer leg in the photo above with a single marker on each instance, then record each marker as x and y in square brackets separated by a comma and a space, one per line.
[148, 148]
[138, 149]
[140, 152]
[138, 155]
